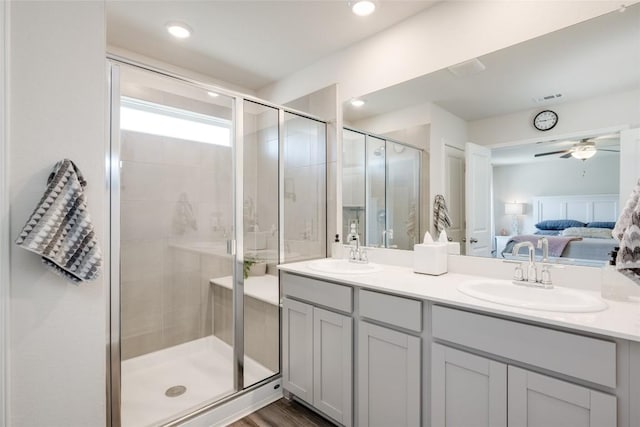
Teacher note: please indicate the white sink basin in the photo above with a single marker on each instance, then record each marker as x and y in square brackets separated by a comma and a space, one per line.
[557, 299]
[342, 266]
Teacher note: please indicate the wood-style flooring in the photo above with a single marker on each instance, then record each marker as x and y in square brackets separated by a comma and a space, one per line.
[283, 413]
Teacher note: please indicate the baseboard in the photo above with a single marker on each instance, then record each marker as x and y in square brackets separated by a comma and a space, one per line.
[239, 407]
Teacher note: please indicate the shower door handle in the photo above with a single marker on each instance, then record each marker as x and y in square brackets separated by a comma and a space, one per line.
[231, 247]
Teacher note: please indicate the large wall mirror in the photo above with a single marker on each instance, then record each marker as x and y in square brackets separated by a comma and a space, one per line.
[504, 180]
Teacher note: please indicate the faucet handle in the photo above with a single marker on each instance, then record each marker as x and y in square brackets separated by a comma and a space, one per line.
[363, 255]
[518, 273]
[545, 275]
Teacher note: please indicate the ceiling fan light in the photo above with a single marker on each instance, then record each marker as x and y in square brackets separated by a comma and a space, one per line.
[584, 153]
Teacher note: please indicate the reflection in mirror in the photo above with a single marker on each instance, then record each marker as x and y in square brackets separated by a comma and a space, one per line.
[571, 171]
[376, 211]
[380, 190]
[403, 196]
[353, 188]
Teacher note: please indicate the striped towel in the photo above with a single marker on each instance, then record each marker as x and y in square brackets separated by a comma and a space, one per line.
[60, 230]
[441, 218]
[627, 231]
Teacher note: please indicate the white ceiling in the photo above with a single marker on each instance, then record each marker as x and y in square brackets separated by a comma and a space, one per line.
[589, 59]
[248, 43]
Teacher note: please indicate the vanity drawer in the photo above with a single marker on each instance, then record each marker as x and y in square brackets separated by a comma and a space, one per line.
[317, 292]
[402, 312]
[587, 358]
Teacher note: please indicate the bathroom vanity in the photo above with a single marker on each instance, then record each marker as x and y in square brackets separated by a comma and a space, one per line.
[394, 348]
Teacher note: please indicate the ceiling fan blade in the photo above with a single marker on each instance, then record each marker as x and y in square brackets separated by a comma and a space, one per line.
[611, 151]
[566, 156]
[551, 152]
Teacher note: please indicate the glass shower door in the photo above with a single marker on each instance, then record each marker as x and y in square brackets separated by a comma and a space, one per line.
[173, 213]
[402, 196]
[376, 208]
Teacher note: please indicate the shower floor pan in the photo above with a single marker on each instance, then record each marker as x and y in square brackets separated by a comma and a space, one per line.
[152, 384]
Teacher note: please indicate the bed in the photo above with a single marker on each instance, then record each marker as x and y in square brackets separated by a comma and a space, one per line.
[578, 228]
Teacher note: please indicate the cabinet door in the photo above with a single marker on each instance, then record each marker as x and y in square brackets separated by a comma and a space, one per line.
[332, 365]
[539, 401]
[297, 342]
[388, 377]
[467, 390]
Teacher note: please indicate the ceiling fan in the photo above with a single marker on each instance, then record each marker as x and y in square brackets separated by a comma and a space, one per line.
[583, 150]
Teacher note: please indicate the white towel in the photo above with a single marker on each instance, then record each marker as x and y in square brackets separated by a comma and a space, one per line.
[60, 229]
[627, 231]
[441, 218]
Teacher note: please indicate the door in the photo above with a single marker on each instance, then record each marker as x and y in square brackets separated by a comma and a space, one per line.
[467, 390]
[332, 365]
[455, 195]
[539, 401]
[388, 377]
[478, 200]
[173, 194]
[297, 346]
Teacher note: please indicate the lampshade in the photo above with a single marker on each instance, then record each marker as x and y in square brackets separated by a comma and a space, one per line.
[514, 208]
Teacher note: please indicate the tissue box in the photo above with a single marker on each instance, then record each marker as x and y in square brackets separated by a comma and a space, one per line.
[430, 258]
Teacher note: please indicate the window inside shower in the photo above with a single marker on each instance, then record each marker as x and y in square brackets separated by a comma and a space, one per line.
[209, 195]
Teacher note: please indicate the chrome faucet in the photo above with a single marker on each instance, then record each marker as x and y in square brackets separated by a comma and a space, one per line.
[357, 254]
[531, 276]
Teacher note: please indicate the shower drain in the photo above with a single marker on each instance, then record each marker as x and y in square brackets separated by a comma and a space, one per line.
[175, 391]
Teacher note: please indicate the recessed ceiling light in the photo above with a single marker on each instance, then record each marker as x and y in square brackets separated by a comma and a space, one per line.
[213, 94]
[363, 7]
[179, 30]
[357, 103]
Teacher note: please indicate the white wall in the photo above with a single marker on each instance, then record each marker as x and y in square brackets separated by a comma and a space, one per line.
[411, 117]
[448, 33]
[591, 114]
[57, 109]
[521, 183]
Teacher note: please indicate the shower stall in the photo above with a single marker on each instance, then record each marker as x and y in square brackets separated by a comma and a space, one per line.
[210, 190]
[381, 190]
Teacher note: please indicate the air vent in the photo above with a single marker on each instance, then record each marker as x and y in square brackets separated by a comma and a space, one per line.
[547, 98]
[467, 68]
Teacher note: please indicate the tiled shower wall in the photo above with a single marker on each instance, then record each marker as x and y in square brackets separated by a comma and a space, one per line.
[165, 290]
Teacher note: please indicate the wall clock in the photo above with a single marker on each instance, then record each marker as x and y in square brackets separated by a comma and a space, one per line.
[545, 120]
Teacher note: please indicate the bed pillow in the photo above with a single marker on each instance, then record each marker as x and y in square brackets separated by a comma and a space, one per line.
[602, 224]
[548, 232]
[595, 233]
[558, 224]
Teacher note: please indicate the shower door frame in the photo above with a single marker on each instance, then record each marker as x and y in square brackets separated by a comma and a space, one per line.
[236, 244]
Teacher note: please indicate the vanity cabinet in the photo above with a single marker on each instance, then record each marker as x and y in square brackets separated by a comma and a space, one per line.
[388, 377]
[469, 389]
[389, 360]
[317, 346]
[472, 390]
[540, 401]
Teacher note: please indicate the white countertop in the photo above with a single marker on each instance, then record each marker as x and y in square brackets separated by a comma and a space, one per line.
[620, 320]
[264, 288]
